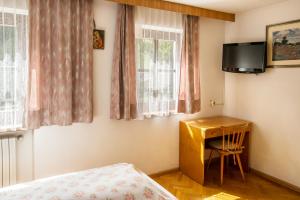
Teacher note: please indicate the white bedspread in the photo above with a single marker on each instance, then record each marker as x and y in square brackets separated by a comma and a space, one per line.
[115, 182]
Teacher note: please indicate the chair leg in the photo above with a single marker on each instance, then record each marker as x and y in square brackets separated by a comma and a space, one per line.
[240, 165]
[210, 158]
[234, 159]
[222, 168]
[226, 167]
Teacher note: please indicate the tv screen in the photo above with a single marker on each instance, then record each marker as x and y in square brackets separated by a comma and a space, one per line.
[244, 57]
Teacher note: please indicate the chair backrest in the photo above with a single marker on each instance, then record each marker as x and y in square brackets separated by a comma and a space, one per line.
[233, 137]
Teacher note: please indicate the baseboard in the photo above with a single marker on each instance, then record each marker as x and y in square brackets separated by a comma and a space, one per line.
[164, 172]
[275, 180]
[254, 171]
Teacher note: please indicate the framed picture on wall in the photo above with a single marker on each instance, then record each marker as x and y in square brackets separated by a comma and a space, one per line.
[98, 39]
[283, 44]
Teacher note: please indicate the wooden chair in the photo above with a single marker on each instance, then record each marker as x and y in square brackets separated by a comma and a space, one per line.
[230, 144]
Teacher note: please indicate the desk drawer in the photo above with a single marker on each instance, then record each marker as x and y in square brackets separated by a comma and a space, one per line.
[211, 133]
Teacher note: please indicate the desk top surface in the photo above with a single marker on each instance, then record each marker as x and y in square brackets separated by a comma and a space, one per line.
[215, 122]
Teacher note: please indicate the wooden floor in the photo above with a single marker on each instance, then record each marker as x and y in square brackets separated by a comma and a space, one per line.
[233, 188]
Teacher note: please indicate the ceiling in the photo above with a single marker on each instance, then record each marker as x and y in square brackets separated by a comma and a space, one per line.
[233, 6]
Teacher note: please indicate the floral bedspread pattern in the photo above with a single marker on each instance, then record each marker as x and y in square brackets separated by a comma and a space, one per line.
[115, 182]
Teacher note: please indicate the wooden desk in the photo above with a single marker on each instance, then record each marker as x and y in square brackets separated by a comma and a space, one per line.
[193, 134]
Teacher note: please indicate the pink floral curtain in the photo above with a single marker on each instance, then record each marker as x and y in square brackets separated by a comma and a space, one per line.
[189, 88]
[123, 84]
[60, 62]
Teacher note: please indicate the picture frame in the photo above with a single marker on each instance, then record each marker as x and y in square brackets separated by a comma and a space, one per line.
[283, 44]
[98, 39]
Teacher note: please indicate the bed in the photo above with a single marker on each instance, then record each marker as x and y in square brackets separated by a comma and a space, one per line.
[116, 182]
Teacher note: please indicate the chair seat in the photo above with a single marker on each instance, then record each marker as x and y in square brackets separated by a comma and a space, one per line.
[218, 144]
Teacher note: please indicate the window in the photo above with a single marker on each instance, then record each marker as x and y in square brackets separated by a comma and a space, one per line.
[13, 67]
[157, 63]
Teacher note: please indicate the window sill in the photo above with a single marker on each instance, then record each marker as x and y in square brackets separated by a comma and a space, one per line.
[12, 133]
[154, 115]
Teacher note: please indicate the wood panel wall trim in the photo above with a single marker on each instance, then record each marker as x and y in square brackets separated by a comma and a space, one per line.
[275, 180]
[181, 8]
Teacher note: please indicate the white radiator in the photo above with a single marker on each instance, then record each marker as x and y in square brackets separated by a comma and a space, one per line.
[8, 162]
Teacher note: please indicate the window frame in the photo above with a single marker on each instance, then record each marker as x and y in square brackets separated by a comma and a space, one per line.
[178, 33]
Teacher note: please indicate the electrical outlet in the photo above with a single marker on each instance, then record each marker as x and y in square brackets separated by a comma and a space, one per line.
[212, 103]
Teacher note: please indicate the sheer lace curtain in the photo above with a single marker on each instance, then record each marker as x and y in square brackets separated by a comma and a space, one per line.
[13, 63]
[158, 46]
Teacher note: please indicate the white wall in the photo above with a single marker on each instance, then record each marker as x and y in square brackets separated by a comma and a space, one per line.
[25, 168]
[152, 145]
[270, 100]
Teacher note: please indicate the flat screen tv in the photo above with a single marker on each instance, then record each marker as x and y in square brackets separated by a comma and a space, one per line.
[244, 57]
